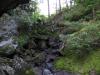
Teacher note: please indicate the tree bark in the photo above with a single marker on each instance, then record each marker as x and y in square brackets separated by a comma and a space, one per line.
[94, 13]
[48, 8]
[60, 5]
[56, 7]
[67, 4]
[70, 3]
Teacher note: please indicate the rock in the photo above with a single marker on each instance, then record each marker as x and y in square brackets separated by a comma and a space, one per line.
[57, 53]
[92, 72]
[39, 58]
[7, 5]
[9, 70]
[7, 26]
[51, 42]
[28, 58]
[6, 70]
[5, 60]
[32, 44]
[37, 71]
[42, 44]
[50, 58]
[7, 30]
[26, 71]
[19, 63]
[7, 51]
[47, 72]
[1, 72]
[21, 67]
[54, 43]
[50, 66]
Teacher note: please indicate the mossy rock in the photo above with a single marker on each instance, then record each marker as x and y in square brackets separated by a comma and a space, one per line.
[28, 71]
[6, 50]
[83, 67]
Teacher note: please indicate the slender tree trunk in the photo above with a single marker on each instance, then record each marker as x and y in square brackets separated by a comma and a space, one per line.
[67, 4]
[48, 8]
[56, 7]
[60, 5]
[94, 13]
[70, 3]
[73, 2]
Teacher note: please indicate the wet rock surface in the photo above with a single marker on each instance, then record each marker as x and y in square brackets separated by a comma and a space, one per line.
[7, 30]
[34, 58]
[38, 58]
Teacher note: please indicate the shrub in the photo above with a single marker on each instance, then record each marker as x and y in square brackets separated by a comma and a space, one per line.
[79, 43]
[98, 15]
[22, 39]
[70, 27]
[76, 13]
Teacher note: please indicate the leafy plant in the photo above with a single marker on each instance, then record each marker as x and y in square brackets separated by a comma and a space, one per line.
[79, 43]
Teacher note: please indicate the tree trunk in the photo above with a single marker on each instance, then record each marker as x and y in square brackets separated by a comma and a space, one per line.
[48, 8]
[94, 13]
[60, 5]
[56, 7]
[66, 3]
[70, 3]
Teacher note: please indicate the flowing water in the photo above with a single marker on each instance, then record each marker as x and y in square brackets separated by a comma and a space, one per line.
[8, 29]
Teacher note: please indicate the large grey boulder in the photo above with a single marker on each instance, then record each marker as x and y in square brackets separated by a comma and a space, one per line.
[6, 5]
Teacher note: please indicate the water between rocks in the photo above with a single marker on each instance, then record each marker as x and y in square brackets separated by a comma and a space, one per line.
[26, 62]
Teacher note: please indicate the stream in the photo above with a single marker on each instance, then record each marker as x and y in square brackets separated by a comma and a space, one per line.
[37, 58]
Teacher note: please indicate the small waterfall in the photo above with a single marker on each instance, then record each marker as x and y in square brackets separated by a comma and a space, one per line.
[8, 28]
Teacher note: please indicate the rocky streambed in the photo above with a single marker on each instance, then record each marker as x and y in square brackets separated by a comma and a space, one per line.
[34, 58]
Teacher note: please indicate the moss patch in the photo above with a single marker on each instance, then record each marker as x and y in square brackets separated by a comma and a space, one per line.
[83, 67]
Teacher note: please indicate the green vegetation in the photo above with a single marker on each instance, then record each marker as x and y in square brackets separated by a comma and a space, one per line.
[80, 43]
[22, 39]
[80, 51]
[81, 34]
[71, 27]
[82, 67]
[79, 29]
[6, 50]
[76, 13]
[27, 71]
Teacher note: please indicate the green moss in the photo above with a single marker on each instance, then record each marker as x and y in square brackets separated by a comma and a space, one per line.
[42, 30]
[28, 71]
[83, 67]
[22, 39]
[6, 50]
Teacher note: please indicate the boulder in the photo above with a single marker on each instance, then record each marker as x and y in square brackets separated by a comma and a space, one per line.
[6, 5]
[7, 51]
[22, 67]
[6, 70]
